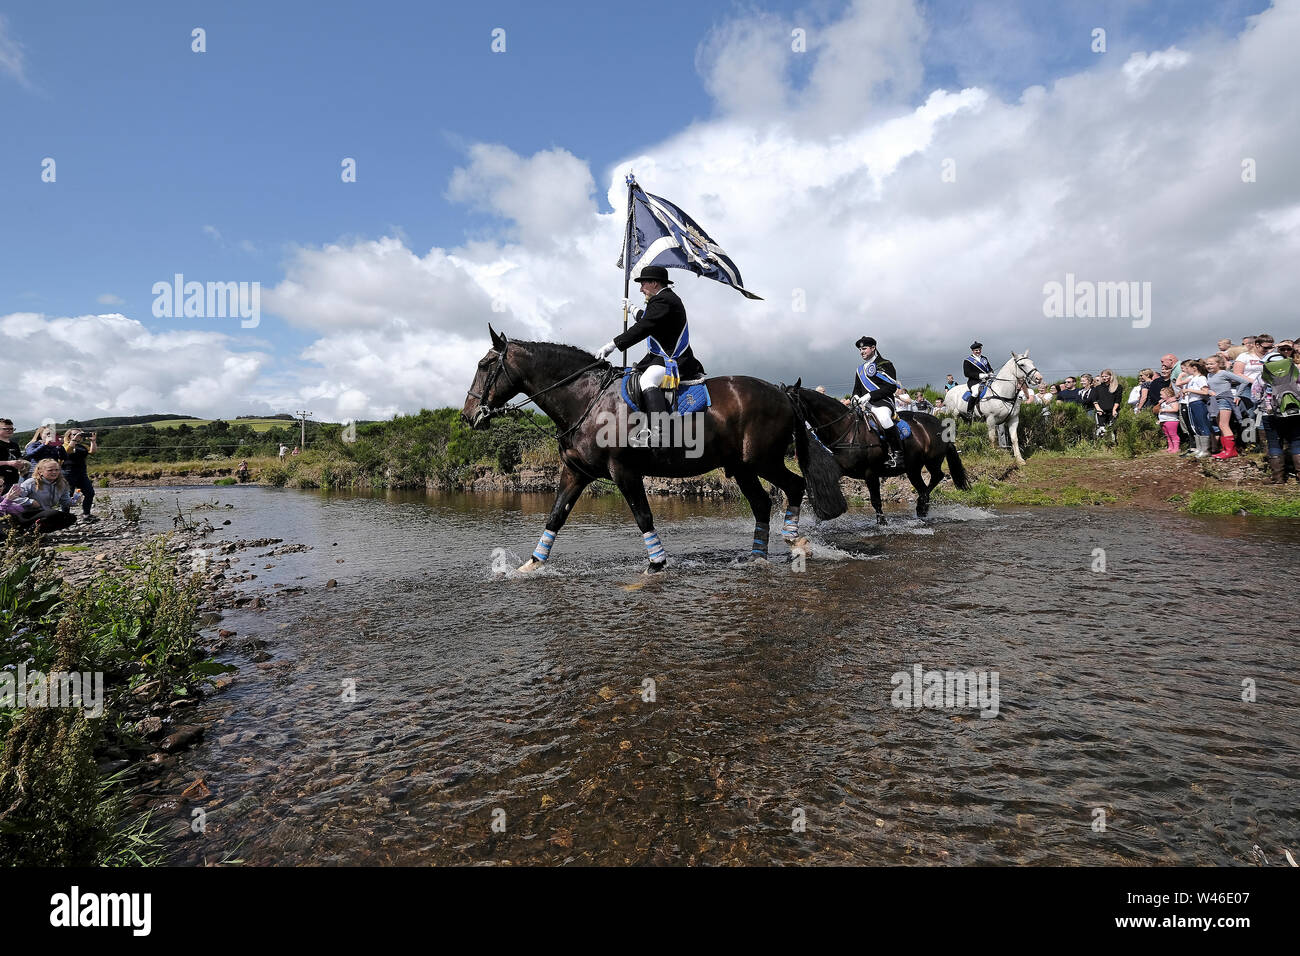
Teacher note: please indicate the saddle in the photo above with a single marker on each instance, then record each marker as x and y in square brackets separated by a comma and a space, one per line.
[688, 397]
[984, 390]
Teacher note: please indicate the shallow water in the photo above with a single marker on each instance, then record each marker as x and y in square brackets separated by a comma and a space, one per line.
[771, 736]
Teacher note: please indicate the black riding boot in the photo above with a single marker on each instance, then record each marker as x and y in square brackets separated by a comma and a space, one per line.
[970, 405]
[655, 405]
[894, 442]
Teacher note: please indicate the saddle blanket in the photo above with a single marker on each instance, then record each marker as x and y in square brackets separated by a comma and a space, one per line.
[904, 430]
[687, 399]
[965, 396]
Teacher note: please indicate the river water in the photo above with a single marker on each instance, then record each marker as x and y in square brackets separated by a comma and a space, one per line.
[732, 713]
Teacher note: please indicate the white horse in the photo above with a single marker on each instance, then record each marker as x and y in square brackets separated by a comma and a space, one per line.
[1001, 403]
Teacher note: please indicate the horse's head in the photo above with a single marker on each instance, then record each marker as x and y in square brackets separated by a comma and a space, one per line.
[1025, 370]
[495, 383]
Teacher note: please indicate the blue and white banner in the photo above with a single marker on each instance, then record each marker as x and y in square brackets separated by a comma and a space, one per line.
[660, 234]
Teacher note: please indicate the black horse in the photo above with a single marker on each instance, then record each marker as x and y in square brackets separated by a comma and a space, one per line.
[846, 433]
[745, 431]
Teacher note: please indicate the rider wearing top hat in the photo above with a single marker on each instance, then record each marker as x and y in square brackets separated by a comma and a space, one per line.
[978, 370]
[662, 323]
[874, 389]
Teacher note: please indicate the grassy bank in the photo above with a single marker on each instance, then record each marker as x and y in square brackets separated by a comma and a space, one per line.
[1264, 504]
[63, 799]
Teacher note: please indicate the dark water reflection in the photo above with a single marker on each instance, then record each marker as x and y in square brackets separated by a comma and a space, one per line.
[477, 693]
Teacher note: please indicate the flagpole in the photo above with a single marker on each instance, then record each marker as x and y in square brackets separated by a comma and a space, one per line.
[627, 255]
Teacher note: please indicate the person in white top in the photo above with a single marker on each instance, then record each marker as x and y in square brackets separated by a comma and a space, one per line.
[1195, 391]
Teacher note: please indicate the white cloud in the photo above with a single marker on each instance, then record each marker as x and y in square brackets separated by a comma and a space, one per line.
[13, 60]
[109, 298]
[1128, 171]
[92, 365]
[537, 194]
[821, 181]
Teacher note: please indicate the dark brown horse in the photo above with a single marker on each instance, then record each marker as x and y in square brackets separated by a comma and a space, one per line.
[846, 433]
[745, 431]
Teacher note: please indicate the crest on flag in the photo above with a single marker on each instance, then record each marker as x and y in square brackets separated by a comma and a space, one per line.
[659, 233]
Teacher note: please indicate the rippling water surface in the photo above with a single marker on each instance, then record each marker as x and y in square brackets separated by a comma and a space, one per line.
[771, 737]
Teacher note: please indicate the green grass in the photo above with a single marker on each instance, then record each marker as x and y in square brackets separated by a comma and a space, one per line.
[73, 547]
[257, 424]
[1209, 501]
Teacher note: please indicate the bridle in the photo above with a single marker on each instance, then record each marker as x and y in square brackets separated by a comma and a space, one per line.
[485, 412]
[1015, 395]
[491, 380]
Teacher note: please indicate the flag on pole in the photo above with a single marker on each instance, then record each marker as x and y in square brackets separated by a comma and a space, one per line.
[658, 233]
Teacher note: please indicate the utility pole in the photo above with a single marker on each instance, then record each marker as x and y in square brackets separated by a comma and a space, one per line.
[302, 440]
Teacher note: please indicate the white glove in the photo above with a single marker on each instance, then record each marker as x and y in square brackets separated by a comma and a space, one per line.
[605, 350]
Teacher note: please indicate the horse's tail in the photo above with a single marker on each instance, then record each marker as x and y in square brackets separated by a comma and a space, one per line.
[955, 467]
[821, 474]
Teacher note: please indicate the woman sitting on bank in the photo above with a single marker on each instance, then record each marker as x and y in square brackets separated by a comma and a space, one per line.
[43, 498]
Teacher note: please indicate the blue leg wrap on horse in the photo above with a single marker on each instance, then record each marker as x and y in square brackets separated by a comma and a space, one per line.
[543, 549]
[790, 527]
[760, 539]
[654, 547]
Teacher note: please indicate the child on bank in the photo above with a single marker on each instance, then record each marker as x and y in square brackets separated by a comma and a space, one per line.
[1168, 417]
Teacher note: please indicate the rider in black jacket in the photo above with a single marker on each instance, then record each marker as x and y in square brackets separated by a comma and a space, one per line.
[978, 371]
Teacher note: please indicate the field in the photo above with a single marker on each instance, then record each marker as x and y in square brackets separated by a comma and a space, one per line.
[257, 424]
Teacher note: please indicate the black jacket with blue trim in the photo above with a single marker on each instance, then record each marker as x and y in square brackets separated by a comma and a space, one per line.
[884, 381]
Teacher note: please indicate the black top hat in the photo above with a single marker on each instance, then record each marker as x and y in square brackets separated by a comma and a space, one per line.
[654, 274]
[976, 345]
[865, 340]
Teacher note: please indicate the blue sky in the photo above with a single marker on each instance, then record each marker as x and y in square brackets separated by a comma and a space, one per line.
[219, 165]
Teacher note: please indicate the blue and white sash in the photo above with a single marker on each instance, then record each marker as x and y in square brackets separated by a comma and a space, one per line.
[867, 372]
[671, 377]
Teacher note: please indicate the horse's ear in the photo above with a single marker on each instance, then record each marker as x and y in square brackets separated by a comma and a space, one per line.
[498, 341]
[798, 383]
[1026, 355]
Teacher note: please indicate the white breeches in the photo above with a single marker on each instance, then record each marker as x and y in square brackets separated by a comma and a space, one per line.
[653, 376]
[884, 417]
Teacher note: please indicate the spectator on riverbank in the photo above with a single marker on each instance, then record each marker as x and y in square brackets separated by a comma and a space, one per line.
[1068, 392]
[1167, 415]
[46, 499]
[951, 383]
[241, 473]
[74, 466]
[1105, 398]
[1224, 402]
[1138, 392]
[1085, 394]
[1277, 391]
[284, 450]
[1193, 392]
[295, 451]
[46, 443]
[12, 463]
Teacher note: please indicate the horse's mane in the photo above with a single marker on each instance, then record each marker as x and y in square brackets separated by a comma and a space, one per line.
[559, 350]
[826, 403]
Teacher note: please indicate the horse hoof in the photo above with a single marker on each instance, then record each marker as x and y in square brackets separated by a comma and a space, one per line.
[758, 559]
[532, 564]
[656, 567]
[880, 519]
